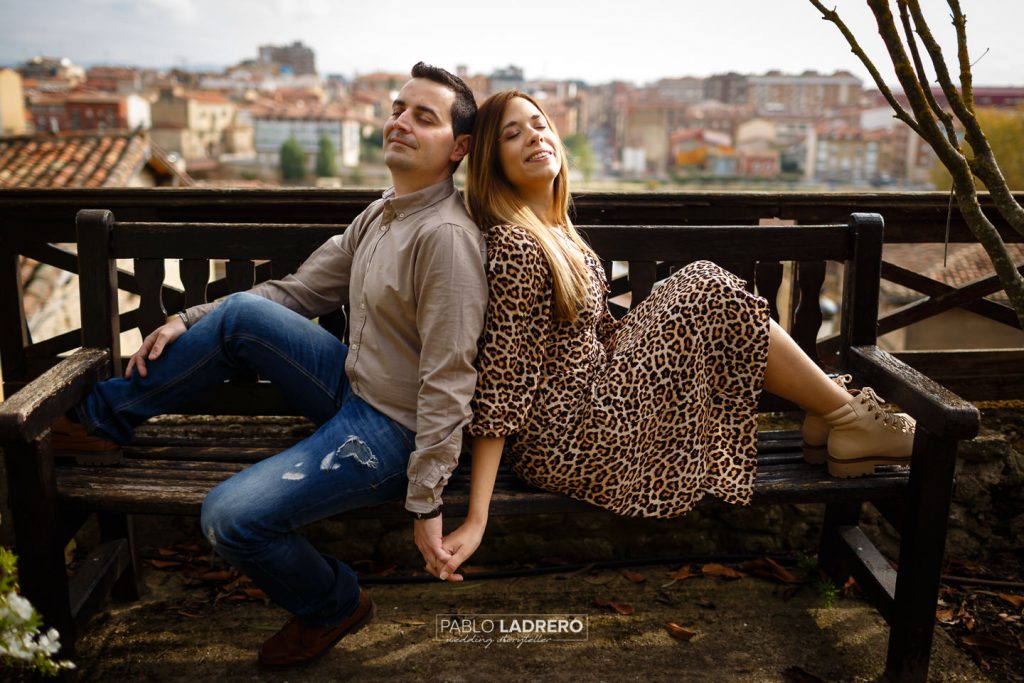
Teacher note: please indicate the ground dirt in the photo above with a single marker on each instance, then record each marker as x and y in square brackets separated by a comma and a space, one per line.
[747, 629]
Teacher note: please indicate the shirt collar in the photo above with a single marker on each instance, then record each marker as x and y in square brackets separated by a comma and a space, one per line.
[409, 204]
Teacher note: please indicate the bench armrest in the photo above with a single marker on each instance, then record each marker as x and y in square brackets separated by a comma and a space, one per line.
[936, 409]
[32, 409]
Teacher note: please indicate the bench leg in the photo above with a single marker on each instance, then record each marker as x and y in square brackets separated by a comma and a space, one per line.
[114, 526]
[32, 486]
[922, 545]
[833, 555]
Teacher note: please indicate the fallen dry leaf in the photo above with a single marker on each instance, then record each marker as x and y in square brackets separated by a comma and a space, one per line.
[946, 615]
[978, 658]
[255, 593]
[850, 588]
[190, 615]
[684, 572]
[721, 571]
[988, 642]
[218, 575]
[679, 633]
[767, 568]
[1016, 600]
[409, 622]
[164, 564]
[598, 580]
[635, 577]
[622, 608]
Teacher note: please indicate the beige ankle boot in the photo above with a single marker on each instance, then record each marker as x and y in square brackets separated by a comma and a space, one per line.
[863, 435]
[815, 431]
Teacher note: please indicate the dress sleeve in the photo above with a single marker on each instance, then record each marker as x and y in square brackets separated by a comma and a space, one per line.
[516, 329]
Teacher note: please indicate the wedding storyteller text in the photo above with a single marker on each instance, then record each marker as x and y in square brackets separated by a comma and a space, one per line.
[516, 629]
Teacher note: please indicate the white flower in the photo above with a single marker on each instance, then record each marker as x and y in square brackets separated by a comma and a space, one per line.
[13, 645]
[49, 642]
[20, 607]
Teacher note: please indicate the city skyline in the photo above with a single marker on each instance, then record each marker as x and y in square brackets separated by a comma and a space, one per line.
[557, 42]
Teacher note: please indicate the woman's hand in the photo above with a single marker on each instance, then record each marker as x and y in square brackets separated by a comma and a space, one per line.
[461, 543]
[153, 345]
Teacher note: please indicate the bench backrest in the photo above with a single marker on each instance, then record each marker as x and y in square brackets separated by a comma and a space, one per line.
[256, 252]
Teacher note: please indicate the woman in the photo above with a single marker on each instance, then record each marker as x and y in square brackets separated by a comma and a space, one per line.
[642, 416]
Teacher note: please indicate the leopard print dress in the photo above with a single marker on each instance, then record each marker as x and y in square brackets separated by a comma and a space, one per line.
[642, 416]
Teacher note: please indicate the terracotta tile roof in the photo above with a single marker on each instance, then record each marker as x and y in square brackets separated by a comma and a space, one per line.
[72, 159]
[964, 264]
[208, 96]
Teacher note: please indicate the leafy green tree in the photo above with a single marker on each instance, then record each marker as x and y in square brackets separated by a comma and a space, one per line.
[580, 154]
[1004, 130]
[326, 158]
[293, 160]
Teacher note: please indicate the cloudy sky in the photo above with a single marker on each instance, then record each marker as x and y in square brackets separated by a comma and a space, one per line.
[595, 40]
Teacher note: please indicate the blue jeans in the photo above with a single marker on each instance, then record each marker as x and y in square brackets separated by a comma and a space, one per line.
[356, 458]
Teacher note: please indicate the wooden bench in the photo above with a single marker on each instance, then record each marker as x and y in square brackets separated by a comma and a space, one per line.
[169, 469]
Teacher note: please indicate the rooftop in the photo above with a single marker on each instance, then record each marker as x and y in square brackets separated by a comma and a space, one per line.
[80, 159]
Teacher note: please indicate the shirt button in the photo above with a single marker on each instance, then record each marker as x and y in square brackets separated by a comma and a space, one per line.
[355, 347]
[362, 306]
[401, 216]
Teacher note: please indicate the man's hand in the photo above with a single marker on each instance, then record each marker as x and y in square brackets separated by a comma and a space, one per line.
[153, 345]
[462, 543]
[427, 534]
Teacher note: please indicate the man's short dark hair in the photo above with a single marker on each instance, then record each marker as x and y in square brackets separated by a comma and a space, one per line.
[464, 107]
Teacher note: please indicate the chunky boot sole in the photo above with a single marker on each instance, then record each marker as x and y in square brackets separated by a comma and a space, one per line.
[858, 467]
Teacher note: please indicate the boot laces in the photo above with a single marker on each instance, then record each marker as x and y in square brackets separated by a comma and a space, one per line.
[842, 380]
[893, 420]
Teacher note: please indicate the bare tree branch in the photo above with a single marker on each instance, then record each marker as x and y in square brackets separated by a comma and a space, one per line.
[966, 78]
[971, 128]
[922, 77]
[901, 113]
[929, 129]
[985, 167]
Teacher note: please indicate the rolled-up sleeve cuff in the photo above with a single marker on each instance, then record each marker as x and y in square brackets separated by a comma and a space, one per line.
[420, 498]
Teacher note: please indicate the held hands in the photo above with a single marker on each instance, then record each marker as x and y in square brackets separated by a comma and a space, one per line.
[153, 345]
[444, 555]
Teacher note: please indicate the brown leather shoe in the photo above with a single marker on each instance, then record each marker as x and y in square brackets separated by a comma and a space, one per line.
[296, 644]
[70, 438]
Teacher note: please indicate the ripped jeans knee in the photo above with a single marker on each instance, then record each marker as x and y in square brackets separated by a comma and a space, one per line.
[353, 447]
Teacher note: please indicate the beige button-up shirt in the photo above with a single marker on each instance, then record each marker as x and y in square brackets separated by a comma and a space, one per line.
[412, 269]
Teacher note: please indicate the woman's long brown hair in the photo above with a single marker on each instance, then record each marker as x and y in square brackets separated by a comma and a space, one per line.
[493, 200]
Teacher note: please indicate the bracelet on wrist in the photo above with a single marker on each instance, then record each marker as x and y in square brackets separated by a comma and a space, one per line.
[436, 512]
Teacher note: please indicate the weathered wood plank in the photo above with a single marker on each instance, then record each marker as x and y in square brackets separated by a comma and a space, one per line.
[910, 216]
[873, 573]
[29, 412]
[935, 408]
[97, 573]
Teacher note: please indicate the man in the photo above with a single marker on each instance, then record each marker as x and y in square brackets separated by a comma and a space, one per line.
[389, 408]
